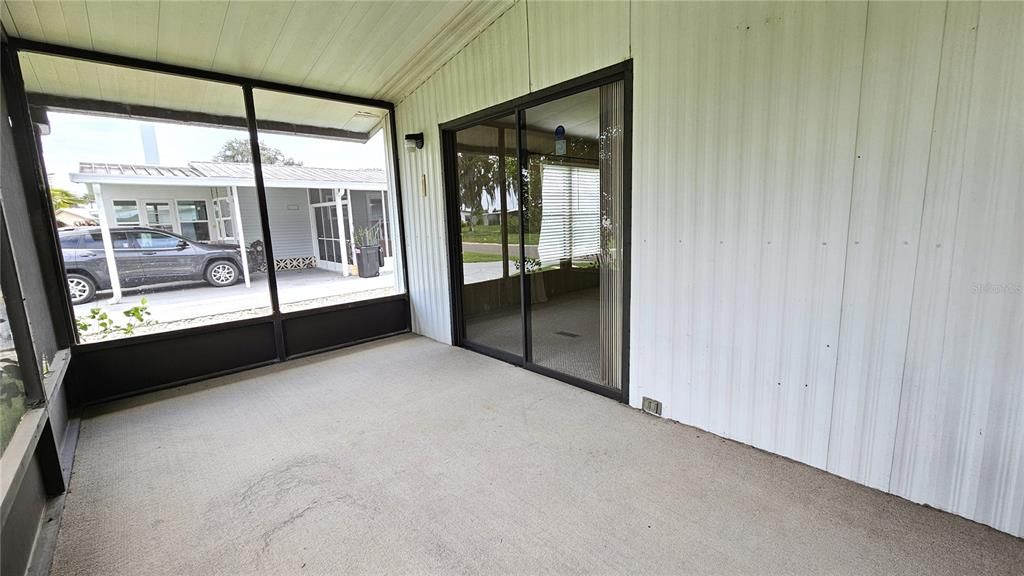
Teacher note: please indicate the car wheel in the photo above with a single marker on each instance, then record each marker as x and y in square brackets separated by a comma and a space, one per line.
[222, 273]
[81, 288]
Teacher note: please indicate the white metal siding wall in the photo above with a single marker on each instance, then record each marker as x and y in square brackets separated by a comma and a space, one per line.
[904, 45]
[826, 224]
[960, 442]
[569, 39]
[488, 71]
[289, 222]
[250, 208]
[743, 158]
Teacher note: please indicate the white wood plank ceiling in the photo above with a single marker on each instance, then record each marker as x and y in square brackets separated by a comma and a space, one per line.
[381, 50]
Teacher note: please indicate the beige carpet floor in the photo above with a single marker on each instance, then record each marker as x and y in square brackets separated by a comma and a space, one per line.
[407, 456]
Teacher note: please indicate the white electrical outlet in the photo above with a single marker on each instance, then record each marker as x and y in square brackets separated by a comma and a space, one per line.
[652, 406]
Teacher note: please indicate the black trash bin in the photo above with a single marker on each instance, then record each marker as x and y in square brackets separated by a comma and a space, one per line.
[368, 260]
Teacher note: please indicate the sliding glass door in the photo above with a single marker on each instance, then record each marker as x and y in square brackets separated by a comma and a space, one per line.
[539, 198]
[573, 173]
[488, 217]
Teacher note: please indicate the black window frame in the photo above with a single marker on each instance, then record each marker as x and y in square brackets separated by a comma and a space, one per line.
[93, 376]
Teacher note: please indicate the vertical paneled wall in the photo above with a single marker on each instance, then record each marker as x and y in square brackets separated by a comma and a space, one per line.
[828, 259]
[743, 158]
[960, 441]
[901, 63]
[490, 70]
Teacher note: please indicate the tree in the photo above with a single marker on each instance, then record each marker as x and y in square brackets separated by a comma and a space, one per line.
[480, 182]
[63, 199]
[239, 150]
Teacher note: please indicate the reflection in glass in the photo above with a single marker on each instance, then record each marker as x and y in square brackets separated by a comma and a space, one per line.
[12, 388]
[489, 229]
[330, 200]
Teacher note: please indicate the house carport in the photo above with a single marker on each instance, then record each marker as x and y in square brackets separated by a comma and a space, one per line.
[289, 191]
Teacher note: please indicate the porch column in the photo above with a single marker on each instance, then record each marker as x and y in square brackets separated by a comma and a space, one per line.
[237, 223]
[384, 214]
[108, 243]
[351, 226]
[338, 196]
[503, 203]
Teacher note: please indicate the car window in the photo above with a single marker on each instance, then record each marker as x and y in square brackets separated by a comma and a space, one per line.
[94, 241]
[70, 240]
[154, 240]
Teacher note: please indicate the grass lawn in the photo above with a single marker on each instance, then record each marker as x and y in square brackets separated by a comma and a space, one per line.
[492, 235]
[474, 257]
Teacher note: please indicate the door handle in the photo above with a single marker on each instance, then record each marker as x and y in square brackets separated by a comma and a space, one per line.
[88, 254]
[149, 253]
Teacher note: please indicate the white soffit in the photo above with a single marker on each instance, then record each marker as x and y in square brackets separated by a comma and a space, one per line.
[380, 50]
[57, 76]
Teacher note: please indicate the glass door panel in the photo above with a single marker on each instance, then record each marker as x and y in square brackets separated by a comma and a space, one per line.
[541, 218]
[328, 237]
[488, 199]
[573, 164]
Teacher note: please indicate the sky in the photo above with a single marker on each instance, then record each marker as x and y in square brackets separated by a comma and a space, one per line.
[78, 138]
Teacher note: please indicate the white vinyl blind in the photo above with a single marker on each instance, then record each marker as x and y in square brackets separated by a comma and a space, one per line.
[571, 213]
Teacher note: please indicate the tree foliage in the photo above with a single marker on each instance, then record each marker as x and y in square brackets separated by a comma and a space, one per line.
[238, 150]
[480, 182]
[62, 198]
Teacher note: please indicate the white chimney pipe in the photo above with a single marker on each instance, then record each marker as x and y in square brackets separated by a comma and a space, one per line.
[149, 144]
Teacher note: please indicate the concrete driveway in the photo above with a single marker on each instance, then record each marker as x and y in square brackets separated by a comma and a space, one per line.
[184, 304]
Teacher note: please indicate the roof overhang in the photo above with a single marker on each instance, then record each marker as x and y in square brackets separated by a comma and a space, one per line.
[211, 182]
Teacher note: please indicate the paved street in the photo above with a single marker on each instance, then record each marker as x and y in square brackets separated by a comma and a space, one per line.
[474, 272]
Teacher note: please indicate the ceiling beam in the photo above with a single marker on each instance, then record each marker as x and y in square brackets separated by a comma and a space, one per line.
[116, 109]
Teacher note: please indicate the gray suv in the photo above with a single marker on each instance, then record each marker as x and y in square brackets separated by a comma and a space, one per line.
[144, 256]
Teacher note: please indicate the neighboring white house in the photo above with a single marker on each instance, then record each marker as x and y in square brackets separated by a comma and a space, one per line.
[74, 216]
[313, 212]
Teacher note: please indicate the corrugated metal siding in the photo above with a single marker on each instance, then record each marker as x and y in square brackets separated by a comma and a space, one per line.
[743, 159]
[787, 293]
[569, 39]
[486, 72]
[960, 445]
[901, 71]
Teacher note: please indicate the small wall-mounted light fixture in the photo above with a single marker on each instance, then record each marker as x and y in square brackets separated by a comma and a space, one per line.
[414, 141]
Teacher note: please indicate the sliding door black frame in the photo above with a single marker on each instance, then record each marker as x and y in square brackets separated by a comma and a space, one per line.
[517, 107]
[95, 374]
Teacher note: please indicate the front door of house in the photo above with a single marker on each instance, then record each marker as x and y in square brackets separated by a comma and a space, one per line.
[328, 240]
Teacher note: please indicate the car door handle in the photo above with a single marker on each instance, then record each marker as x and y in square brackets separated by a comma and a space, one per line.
[88, 254]
[149, 253]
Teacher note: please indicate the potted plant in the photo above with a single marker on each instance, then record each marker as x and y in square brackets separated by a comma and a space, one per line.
[367, 252]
